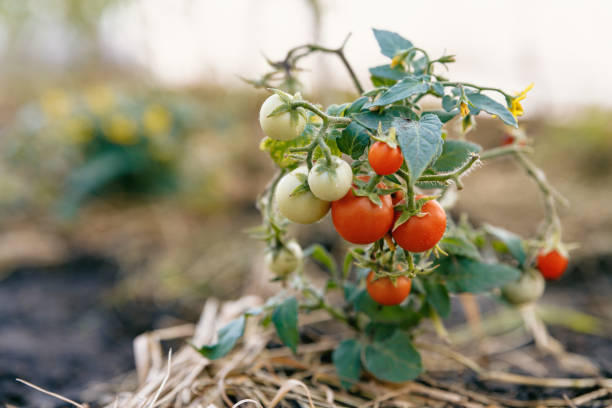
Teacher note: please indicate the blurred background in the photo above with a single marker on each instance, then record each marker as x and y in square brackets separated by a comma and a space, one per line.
[129, 160]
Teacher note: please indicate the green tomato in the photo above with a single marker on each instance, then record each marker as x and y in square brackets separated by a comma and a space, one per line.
[304, 207]
[279, 127]
[286, 260]
[528, 288]
[330, 183]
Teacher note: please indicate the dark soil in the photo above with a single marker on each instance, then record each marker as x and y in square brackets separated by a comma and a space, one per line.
[58, 331]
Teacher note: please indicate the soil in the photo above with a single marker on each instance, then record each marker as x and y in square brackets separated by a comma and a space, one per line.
[58, 329]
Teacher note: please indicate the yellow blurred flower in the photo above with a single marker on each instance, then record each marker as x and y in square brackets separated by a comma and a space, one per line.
[515, 106]
[78, 130]
[99, 98]
[56, 103]
[156, 119]
[122, 130]
[464, 109]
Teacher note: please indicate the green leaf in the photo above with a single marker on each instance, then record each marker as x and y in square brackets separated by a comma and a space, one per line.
[438, 88]
[455, 153]
[285, 319]
[391, 43]
[279, 149]
[227, 338]
[393, 359]
[438, 298]
[487, 104]
[371, 119]
[347, 359]
[321, 255]
[386, 72]
[356, 106]
[421, 142]
[346, 266]
[403, 89]
[449, 103]
[354, 140]
[337, 110]
[443, 115]
[511, 240]
[459, 245]
[466, 275]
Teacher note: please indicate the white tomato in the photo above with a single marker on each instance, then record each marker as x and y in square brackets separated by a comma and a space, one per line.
[279, 126]
[301, 207]
[285, 260]
[330, 183]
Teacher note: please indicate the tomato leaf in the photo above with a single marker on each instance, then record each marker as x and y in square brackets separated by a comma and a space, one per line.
[322, 256]
[393, 358]
[370, 120]
[459, 245]
[420, 141]
[391, 43]
[467, 275]
[489, 105]
[285, 319]
[347, 359]
[437, 297]
[511, 240]
[227, 338]
[443, 115]
[455, 153]
[354, 140]
[403, 89]
[449, 103]
[386, 72]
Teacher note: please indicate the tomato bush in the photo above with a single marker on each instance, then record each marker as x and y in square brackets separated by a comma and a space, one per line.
[392, 200]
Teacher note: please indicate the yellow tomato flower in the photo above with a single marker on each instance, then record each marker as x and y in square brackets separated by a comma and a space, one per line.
[464, 109]
[121, 130]
[99, 98]
[56, 103]
[156, 119]
[515, 106]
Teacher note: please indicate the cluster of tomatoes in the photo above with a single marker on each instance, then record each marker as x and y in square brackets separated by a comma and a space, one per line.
[305, 196]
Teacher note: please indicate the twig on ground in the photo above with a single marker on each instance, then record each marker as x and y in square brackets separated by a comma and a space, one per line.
[59, 397]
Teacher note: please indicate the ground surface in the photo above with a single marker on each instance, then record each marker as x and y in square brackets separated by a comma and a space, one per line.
[58, 329]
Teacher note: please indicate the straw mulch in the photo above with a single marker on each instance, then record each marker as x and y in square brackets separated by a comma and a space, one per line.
[258, 376]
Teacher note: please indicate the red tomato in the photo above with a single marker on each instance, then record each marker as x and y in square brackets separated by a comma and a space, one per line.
[359, 220]
[384, 292]
[397, 197]
[384, 159]
[551, 264]
[509, 139]
[419, 234]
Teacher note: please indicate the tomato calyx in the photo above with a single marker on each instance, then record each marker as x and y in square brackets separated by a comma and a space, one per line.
[287, 106]
[389, 138]
[303, 187]
[372, 188]
[408, 213]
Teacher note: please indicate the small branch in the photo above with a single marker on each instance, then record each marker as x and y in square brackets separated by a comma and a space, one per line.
[480, 88]
[332, 120]
[454, 175]
[504, 151]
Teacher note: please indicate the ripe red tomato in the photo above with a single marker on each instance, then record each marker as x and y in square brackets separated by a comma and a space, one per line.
[419, 234]
[384, 159]
[551, 264]
[509, 139]
[384, 292]
[359, 220]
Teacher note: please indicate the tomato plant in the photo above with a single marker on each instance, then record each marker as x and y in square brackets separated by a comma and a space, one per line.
[392, 200]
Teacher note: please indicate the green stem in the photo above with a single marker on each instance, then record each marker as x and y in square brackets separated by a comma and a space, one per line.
[503, 151]
[318, 48]
[454, 175]
[480, 88]
[372, 183]
[410, 199]
[332, 120]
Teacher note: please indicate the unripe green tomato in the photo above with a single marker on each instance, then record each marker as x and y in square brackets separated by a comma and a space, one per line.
[528, 288]
[330, 184]
[286, 260]
[279, 126]
[303, 208]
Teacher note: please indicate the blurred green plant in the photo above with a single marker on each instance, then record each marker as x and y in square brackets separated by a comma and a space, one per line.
[102, 140]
